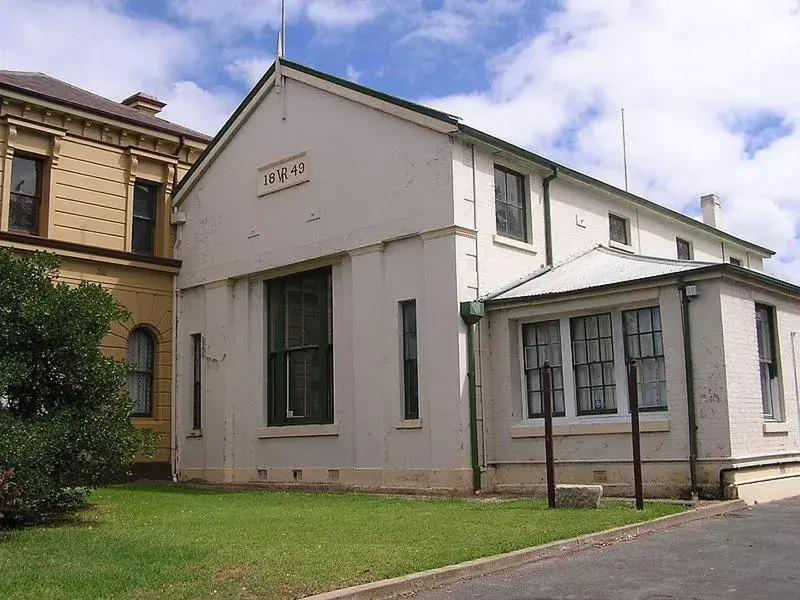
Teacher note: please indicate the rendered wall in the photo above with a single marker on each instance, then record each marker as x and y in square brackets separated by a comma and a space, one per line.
[374, 178]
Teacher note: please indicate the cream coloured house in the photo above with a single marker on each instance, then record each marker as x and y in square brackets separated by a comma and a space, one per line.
[369, 289]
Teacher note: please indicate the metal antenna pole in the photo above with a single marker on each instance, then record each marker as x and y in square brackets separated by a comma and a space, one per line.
[624, 149]
[283, 29]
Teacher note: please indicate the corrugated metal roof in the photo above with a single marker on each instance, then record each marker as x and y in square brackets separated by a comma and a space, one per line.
[596, 267]
[44, 86]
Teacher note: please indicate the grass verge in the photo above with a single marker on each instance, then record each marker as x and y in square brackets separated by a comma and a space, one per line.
[166, 541]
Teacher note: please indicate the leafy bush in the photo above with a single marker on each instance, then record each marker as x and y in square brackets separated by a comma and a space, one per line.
[64, 417]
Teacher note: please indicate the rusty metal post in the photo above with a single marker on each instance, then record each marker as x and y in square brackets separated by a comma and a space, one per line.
[547, 407]
[633, 401]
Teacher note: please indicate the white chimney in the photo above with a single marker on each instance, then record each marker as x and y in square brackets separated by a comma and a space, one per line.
[712, 210]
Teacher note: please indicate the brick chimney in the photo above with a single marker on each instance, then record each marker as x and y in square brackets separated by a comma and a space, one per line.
[712, 210]
[144, 103]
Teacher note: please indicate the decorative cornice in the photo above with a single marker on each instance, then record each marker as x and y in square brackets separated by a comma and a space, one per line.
[34, 126]
[11, 137]
[84, 251]
[151, 155]
[133, 166]
[448, 231]
[368, 249]
[55, 151]
[219, 283]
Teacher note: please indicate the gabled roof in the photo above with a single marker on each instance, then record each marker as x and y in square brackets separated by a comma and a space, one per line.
[601, 268]
[456, 126]
[45, 87]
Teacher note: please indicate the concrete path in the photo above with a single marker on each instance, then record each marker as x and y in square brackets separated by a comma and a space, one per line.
[746, 555]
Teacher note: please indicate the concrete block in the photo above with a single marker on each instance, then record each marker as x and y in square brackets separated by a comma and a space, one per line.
[578, 496]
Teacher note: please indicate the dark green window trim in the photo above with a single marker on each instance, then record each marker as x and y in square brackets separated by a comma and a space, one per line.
[506, 180]
[408, 315]
[197, 375]
[299, 343]
[618, 229]
[643, 334]
[593, 364]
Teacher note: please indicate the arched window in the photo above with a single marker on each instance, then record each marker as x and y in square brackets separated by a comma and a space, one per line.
[141, 356]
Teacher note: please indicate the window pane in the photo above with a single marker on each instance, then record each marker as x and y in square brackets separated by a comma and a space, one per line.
[26, 176]
[300, 364]
[542, 342]
[144, 200]
[647, 347]
[579, 353]
[618, 229]
[593, 362]
[23, 213]
[528, 335]
[684, 252]
[499, 186]
[512, 190]
[303, 384]
[516, 222]
[534, 380]
[501, 218]
[143, 236]
[141, 357]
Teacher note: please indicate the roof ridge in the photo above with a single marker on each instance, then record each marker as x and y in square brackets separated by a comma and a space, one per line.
[649, 258]
[103, 103]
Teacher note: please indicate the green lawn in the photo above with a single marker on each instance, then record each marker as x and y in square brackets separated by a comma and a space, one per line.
[177, 542]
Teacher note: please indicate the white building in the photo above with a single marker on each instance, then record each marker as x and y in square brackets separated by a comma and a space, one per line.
[331, 238]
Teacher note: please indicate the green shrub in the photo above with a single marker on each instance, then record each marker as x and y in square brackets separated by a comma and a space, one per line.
[64, 417]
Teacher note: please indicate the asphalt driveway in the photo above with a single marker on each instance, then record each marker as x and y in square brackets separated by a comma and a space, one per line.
[751, 554]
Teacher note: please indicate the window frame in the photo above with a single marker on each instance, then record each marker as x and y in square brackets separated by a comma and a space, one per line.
[626, 227]
[197, 381]
[276, 360]
[411, 409]
[773, 364]
[639, 367]
[153, 222]
[150, 336]
[689, 249]
[736, 262]
[613, 362]
[40, 198]
[524, 370]
[521, 191]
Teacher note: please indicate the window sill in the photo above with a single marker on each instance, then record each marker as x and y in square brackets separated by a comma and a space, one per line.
[621, 246]
[290, 431]
[512, 243]
[409, 424]
[195, 433]
[776, 427]
[645, 426]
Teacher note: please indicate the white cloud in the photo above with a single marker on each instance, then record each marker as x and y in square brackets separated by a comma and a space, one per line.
[354, 74]
[249, 70]
[457, 21]
[202, 110]
[126, 54]
[229, 16]
[681, 69]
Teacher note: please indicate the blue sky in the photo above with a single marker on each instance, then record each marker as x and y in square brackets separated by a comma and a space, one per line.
[709, 103]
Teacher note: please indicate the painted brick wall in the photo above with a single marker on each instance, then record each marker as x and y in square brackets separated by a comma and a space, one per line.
[748, 438]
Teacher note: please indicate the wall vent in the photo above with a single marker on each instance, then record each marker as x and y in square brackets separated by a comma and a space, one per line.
[262, 475]
[297, 474]
[333, 474]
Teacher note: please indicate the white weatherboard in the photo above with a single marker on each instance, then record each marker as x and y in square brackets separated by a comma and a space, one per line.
[283, 173]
